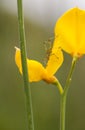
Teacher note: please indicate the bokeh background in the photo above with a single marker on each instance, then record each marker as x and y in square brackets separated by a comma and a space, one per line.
[40, 18]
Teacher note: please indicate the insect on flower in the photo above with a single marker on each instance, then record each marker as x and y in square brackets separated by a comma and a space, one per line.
[48, 48]
[48, 45]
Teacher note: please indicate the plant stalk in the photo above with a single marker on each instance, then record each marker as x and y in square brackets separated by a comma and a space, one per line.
[29, 113]
[64, 95]
[62, 112]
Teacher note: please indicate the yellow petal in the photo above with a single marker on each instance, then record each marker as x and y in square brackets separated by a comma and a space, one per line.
[18, 59]
[70, 28]
[55, 61]
[36, 71]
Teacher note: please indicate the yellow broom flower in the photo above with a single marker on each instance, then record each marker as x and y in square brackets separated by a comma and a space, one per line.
[70, 32]
[36, 70]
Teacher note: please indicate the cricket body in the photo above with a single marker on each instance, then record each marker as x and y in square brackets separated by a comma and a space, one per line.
[48, 48]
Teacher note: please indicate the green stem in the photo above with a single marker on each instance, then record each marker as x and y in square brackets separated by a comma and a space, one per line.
[64, 95]
[69, 78]
[62, 112]
[60, 88]
[30, 124]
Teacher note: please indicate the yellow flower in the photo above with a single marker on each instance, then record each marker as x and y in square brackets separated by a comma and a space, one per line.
[70, 32]
[36, 70]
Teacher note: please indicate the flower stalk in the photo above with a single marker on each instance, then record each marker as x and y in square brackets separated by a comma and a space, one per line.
[30, 124]
[59, 86]
[64, 95]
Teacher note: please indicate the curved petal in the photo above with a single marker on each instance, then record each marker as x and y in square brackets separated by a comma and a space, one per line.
[55, 61]
[18, 59]
[35, 69]
[70, 28]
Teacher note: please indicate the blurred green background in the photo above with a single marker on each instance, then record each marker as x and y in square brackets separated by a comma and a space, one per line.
[45, 97]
